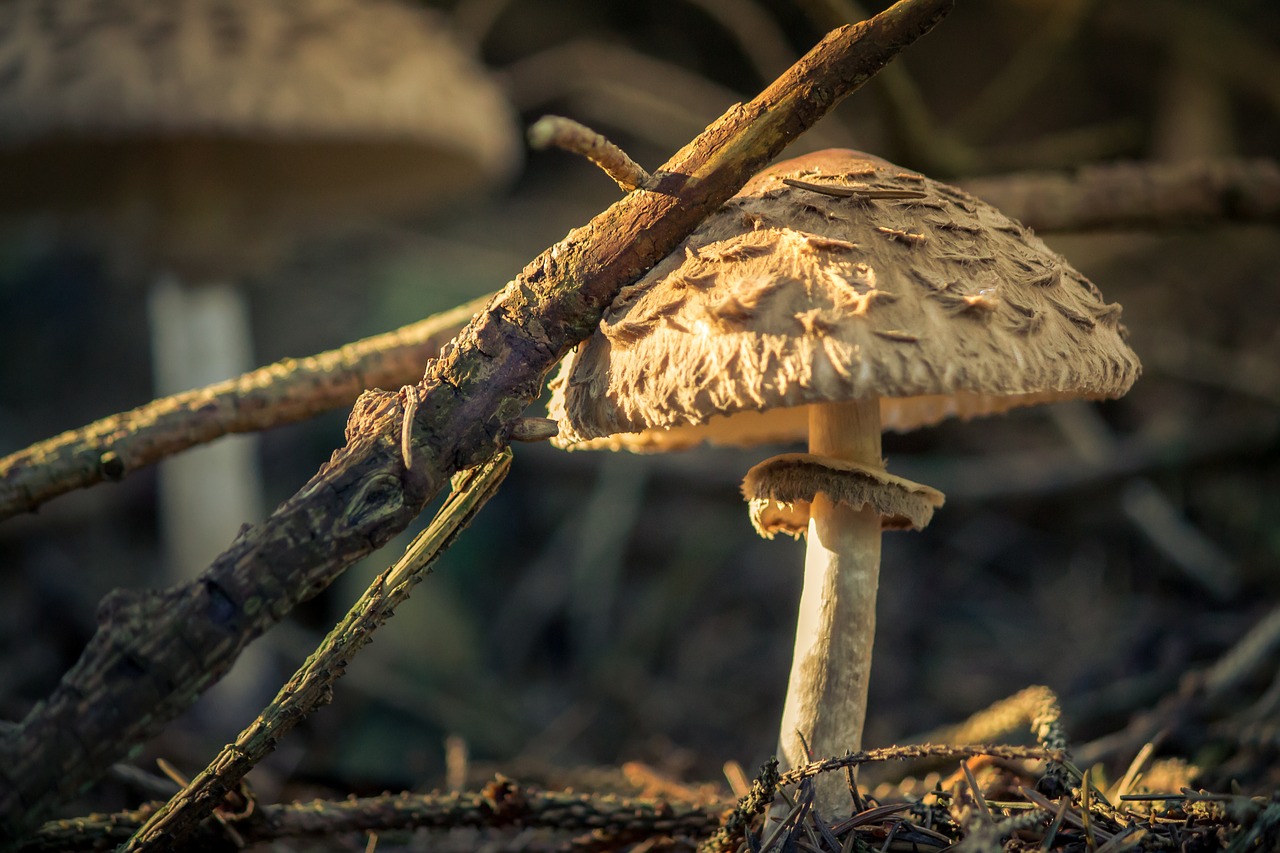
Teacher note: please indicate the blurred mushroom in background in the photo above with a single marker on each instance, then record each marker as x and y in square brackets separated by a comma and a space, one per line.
[836, 294]
[195, 142]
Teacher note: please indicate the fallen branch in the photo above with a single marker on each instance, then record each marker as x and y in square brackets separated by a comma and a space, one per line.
[917, 751]
[155, 652]
[1138, 195]
[502, 803]
[312, 685]
[282, 393]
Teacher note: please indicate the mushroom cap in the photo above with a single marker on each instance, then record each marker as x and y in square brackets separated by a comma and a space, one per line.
[277, 114]
[901, 288]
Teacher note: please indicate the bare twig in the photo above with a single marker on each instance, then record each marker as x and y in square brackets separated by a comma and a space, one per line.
[850, 191]
[1138, 195]
[735, 823]
[577, 138]
[624, 89]
[312, 685]
[599, 70]
[501, 803]
[285, 392]
[911, 752]
[155, 652]
[1035, 708]
[412, 399]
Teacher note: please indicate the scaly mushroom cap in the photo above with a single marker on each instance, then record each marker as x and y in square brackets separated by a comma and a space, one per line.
[288, 114]
[901, 288]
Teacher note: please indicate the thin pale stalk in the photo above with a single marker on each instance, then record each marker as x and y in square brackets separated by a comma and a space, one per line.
[827, 691]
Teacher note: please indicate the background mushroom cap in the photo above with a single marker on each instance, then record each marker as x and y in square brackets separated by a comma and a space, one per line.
[939, 304]
[276, 115]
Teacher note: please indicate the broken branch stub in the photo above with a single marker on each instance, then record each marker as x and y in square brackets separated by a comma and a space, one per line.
[154, 653]
[579, 139]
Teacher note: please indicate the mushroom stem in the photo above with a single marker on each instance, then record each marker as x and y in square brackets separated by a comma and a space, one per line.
[827, 692]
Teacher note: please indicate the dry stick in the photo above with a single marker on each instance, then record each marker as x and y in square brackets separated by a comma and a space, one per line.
[579, 139]
[500, 804]
[285, 392]
[312, 685]
[1035, 707]
[917, 751]
[155, 652]
[591, 73]
[734, 823]
[1138, 195]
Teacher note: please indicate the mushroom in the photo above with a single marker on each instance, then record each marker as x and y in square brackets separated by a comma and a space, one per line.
[203, 136]
[837, 294]
[196, 140]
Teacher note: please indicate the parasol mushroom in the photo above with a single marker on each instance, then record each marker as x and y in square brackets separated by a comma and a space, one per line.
[837, 294]
[196, 140]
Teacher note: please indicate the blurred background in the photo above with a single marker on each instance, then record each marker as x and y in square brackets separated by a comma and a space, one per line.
[607, 608]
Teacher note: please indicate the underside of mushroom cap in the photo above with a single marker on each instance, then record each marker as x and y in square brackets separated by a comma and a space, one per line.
[779, 492]
[334, 69]
[901, 288]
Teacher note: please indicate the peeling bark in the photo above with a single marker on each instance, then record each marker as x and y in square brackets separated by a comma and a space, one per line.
[155, 652]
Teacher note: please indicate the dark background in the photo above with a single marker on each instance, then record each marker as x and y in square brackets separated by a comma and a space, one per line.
[607, 608]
